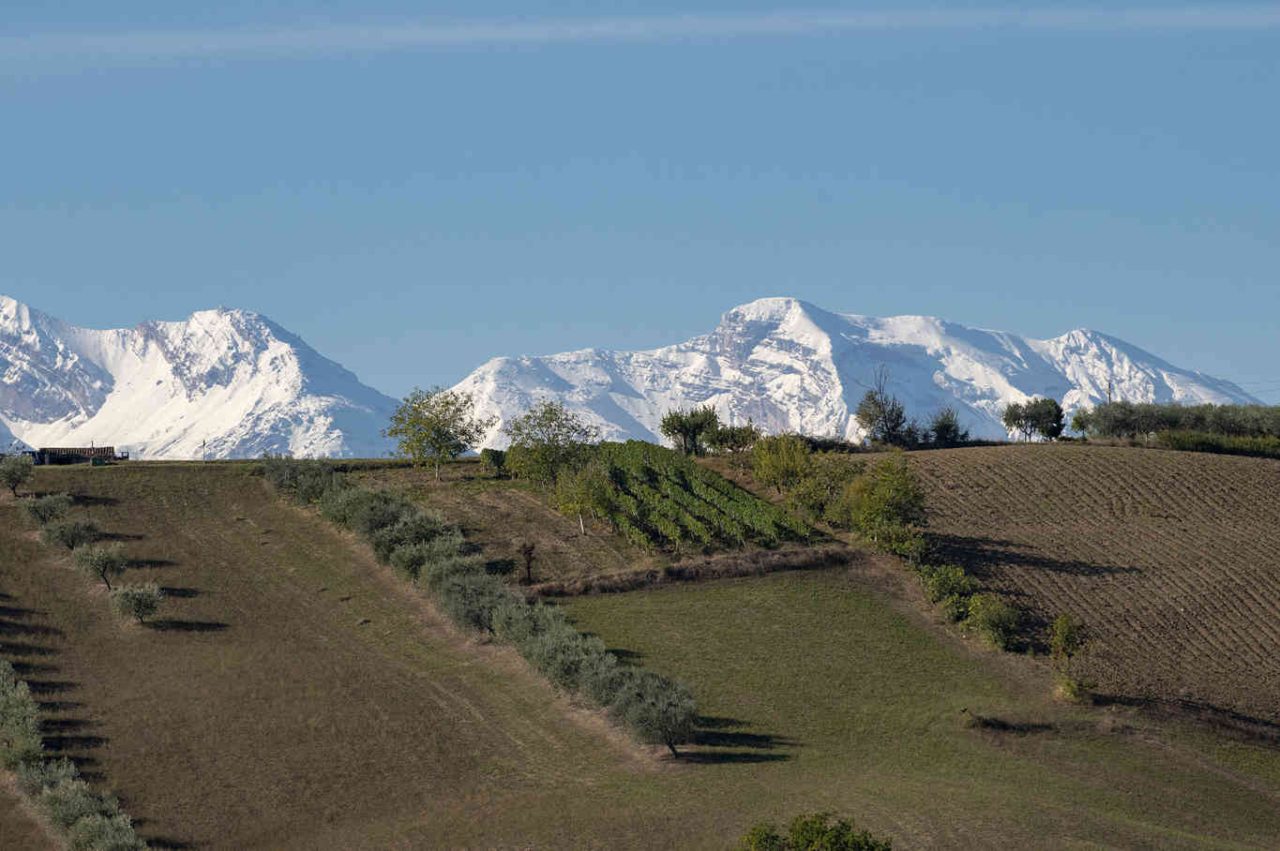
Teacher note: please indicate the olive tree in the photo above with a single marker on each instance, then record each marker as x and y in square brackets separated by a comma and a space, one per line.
[46, 509]
[137, 601]
[432, 426]
[16, 470]
[71, 533]
[102, 562]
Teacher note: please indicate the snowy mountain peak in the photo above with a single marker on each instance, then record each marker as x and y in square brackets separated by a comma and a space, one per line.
[792, 366]
[221, 383]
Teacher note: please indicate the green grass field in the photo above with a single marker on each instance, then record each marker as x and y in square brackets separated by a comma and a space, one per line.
[297, 695]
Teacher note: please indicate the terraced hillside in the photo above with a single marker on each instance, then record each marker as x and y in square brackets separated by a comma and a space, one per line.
[294, 694]
[1171, 559]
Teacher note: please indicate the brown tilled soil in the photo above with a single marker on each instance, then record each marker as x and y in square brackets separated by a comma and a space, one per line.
[1171, 559]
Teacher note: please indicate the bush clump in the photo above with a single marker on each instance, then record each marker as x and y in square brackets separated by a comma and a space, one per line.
[16, 470]
[994, 619]
[46, 509]
[20, 740]
[816, 832]
[71, 533]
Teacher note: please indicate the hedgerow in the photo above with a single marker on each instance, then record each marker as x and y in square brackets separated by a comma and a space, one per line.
[89, 820]
[433, 554]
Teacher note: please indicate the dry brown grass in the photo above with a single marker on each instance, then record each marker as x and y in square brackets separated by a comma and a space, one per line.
[1172, 560]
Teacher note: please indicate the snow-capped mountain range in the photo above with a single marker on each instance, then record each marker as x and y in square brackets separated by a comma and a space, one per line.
[790, 366]
[230, 383]
[221, 384]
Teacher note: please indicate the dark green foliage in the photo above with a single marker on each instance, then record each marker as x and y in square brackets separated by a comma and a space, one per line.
[101, 832]
[734, 440]
[15, 470]
[139, 601]
[68, 801]
[20, 740]
[818, 492]
[304, 481]
[1129, 420]
[46, 509]
[548, 441]
[495, 461]
[883, 417]
[410, 559]
[1066, 640]
[690, 430]
[36, 775]
[413, 526]
[889, 498]
[70, 533]
[1038, 416]
[950, 587]
[816, 832]
[994, 619]
[1194, 441]
[363, 512]
[945, 429]
[659, 711]
[781, 461]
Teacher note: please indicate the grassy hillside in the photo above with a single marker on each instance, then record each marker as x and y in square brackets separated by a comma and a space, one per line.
[294, 695]
[1169, 558]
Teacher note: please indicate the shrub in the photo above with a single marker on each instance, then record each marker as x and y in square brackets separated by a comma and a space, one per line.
[994, 619]
[410, 559]
[15, 470]
[780, 461]
[817, 492]
[67, 802]
[436, 573]
[101, 832]
[657, 710]
[101, 562]
[20, 740]
[305, 481]
[137, 601]
[70, 533]
[495, 461]
[362, 511]
[46, 509]
[816, 832]
[947, 580]
[1066, 638]
[37, 775]
[470, 599]
[413, 527]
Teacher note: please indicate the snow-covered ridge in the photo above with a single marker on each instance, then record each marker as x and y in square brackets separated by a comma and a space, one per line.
[221, 384]
[791, 366]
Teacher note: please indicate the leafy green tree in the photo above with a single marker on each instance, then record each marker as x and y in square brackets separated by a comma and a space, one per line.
[946, 430]
[734, 440]
[816, 832]
[70, 533]
[690, 430]
[46, 509]
[588, 490]
[101, 562]
[1045, 418]
[781, 461]
[888, 498]
[432, 426]
[1066, 639]
[137, 601]
[495, 461]
[19, 720]
[883, 417]
[547, 440]
[994, 619]
[1015, 420]
[16, 470]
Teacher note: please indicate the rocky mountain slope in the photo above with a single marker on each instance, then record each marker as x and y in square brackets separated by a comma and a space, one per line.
[221, 384]
[790, 366]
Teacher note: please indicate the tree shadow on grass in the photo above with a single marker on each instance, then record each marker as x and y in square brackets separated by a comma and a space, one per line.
[1229, 722]
[137, 563]
[160, 842]
[173, 625]
[17, 612]
[179, 593]
[732, 744]
[9, 627]
[119, 536]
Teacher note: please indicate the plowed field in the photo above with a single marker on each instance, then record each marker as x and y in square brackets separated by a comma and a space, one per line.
[1171, 559]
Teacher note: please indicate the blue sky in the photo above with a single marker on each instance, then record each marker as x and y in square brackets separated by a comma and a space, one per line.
[414, 192]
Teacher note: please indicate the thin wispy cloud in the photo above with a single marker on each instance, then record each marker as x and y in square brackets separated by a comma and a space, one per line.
[94, 49]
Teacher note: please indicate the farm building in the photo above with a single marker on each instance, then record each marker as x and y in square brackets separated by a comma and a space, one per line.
[78, 455]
